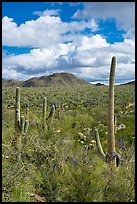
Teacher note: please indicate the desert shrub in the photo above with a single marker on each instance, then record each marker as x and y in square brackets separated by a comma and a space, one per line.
[54, 164]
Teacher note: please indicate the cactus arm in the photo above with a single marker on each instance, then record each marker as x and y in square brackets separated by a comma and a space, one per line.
[99, 147]
[59, 111]
[27, 108]
[44, 112]
[52, 112]
[22, 124]
[111, 135]
[26, 126]
[17, 109]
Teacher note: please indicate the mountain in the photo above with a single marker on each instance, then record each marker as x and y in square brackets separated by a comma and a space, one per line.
[11, 83]
[54, 79]
[129, 83]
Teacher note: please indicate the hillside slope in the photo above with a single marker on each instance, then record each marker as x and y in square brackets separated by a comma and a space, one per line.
[11, 83]
[54, 79]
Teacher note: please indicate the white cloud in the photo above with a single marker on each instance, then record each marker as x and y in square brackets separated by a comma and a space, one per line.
[89, 58]
[38, 33]
[13, 74]
[130, 34]
[59, 46]
[122, 12]
[74, 3]
[44, 32]
[95, 41]
[51, 12]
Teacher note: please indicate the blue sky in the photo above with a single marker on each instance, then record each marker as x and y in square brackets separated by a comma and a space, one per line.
[42, 38]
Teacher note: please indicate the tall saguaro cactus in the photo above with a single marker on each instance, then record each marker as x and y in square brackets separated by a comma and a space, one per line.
[21, 125]
[112, 156]
[111, 135]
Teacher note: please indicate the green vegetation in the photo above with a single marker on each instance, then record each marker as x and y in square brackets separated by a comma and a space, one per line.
[61, 163]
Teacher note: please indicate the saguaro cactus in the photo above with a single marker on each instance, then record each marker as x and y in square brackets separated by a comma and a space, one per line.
[52, 112]
[111, 135]
[51, 115]
[21, 125]
[46, 121]
[44, 112]
[17, 109]
[112, 156]
[59, 111]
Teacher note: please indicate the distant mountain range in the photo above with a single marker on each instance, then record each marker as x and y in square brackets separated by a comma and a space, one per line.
[11, 83]
[51, 80]
[56, 79]
[129, 83]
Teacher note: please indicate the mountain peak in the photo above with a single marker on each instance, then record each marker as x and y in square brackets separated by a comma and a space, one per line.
[57, 79]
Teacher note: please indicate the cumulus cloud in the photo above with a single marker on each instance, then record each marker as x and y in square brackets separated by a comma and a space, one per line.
[89, 58]
[46, 31]
[122, 12]
[31, 33]
[130, 34]
[59, 46]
